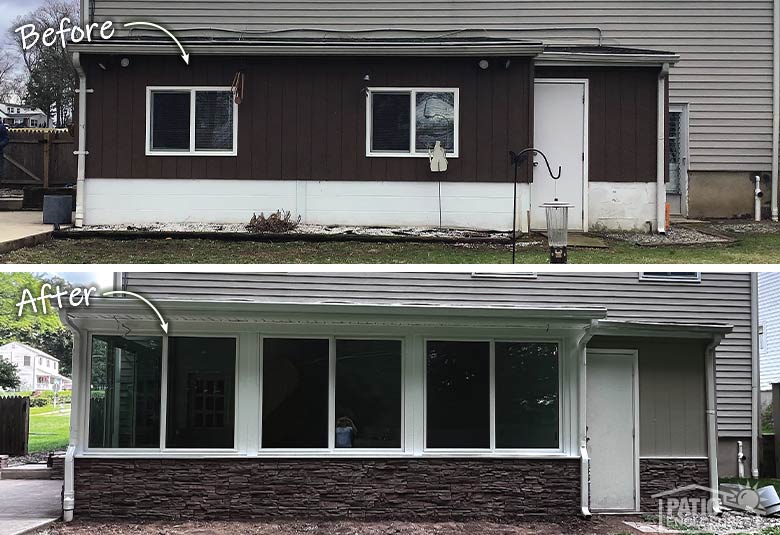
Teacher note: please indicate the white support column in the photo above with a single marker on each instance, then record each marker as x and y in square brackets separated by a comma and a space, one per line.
[582, 398]
[248, 394]
[775, 105]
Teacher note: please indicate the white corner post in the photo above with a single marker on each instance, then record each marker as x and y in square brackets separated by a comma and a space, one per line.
[661, 151]
[712, 424]
[755, 435]
[81, 153]
[77, 411]
[582, 435]
[775, 104]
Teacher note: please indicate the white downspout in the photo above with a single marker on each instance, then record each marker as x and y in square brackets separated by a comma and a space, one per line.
[81, 153]
[712, 423]
[775, 104]
[80, 387]
[661, 151]
[582, 442]
[755, 386]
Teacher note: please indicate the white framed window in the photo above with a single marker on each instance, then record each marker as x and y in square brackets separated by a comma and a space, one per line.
[504, 274]
[191, 121]
[332, 394]
[407, 121]
[493, 396]
[670, 276]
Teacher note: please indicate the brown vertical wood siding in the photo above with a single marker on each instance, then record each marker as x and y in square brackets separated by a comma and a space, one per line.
[303, 118]
[623, 120]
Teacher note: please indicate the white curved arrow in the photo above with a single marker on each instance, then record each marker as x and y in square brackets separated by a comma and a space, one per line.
[184, 55]
[163, 323]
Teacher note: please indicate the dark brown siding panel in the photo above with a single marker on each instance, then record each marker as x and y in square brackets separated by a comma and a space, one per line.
[622, 120]
[304, 118]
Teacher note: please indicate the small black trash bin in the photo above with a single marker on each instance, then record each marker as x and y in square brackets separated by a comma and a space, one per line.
[57, 209]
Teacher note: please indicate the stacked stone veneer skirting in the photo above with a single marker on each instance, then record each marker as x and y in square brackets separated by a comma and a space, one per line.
[317, 488]
[662, 475]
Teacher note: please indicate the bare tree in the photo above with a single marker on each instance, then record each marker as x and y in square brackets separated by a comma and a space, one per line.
[49, 75]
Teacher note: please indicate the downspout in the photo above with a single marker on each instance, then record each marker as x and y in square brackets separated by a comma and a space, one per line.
[76, 421]
[755, 386]
[775, 104]
[582, 442]
[81, 153]
[660, 192]
[712, 423]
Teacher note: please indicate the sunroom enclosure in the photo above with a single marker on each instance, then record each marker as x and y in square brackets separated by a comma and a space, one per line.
[397, 401]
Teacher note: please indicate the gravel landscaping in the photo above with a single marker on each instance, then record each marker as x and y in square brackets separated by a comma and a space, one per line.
[747, 227]
[303, 230]
[608, 525]
[677, 235]
[729, 523]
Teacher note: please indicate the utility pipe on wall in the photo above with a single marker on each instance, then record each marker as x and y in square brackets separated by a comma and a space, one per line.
[81, 153]
[76, 423]
[755, 424]
[661, 151]
[582, 435]
[775, 104]
[757, 195]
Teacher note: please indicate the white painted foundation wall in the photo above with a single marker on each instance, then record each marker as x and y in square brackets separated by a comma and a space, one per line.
[463, 204]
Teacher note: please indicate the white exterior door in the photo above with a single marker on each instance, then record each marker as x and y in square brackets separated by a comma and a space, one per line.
[612, 411]
[560, 129]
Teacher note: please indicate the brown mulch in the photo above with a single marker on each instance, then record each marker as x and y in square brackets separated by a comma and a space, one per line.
[606, 525]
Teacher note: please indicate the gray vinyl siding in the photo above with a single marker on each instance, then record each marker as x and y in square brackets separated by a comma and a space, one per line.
[720, 297]
[725, 74]
[769, 319]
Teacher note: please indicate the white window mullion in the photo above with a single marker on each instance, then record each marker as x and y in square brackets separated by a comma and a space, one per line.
[261, 386]
[164, 392]
[413, 122]
[332, 393]
[192, 120]
[492, 375]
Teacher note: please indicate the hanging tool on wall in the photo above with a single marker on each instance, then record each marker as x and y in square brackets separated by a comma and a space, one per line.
[238, 87]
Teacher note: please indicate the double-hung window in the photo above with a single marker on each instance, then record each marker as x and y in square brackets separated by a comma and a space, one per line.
[191, 121]
[409, 121]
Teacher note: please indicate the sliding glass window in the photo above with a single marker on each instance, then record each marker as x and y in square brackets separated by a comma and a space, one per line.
[125, 385]
[201, 392]
[368, 394]
[527, 398]
[295, 393]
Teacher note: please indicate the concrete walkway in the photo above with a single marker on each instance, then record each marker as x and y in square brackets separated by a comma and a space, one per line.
[22, 229]
[28, 504]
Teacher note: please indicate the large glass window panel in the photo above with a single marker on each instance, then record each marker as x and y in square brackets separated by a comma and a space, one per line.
[435, 120]
[201, 392]
[458, 395]
[390, 122]
[295, 393]
[527, 389]
[170, 127]
[214, 120]
[125, 385]
[368, 394]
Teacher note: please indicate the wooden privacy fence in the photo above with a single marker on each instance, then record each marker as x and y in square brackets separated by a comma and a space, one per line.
[14, 425]
[39, 156]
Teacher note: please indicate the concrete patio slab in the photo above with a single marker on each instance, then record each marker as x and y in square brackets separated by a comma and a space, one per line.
[26, 505]
[22, 229]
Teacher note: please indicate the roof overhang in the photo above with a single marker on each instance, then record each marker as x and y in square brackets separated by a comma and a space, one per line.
[601, 56]
[702, 331]
[120, 313]
[317, 47]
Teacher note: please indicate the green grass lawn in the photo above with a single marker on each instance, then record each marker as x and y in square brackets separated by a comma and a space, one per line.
[758, 248]
[48, 431]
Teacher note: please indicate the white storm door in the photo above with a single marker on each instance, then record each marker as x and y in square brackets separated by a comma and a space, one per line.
[560, 128]
[612, 409]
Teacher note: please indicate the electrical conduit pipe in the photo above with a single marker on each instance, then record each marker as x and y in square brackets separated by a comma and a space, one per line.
[661, 151]
[81, 153]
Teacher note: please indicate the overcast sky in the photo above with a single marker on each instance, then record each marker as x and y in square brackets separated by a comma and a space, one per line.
[10, 9]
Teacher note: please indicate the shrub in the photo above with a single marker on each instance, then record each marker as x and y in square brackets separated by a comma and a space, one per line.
[279, 221]
[39, 402]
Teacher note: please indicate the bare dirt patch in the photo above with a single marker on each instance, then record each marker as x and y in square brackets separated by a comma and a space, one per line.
[554, 526]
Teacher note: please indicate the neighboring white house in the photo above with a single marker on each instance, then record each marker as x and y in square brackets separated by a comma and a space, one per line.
[37, 370]
[769, 332]
[20, 116]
